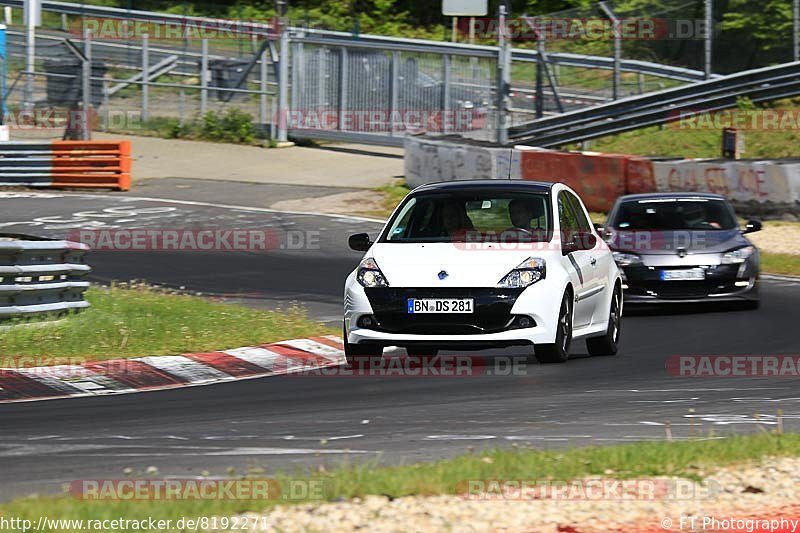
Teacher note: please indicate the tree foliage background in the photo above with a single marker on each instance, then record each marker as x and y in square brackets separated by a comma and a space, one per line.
[747, 33]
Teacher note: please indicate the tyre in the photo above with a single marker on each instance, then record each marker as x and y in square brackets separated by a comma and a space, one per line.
[558, 352]
[608, 344]
[361, 355]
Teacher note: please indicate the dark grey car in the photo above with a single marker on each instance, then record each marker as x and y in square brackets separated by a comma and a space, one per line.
[683, 247]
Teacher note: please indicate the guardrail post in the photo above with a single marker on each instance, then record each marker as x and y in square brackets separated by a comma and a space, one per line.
[87, 85]
[283, 88]
[145, 77]
[204, 76]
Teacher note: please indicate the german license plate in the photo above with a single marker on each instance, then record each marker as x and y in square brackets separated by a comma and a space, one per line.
[695, 274]
[440, 306]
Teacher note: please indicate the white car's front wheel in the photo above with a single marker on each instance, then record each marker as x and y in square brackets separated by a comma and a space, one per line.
[558, 352]
[360, 355]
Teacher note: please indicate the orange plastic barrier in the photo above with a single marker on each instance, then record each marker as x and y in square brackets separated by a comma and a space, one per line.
[94, 164]
[599, 179]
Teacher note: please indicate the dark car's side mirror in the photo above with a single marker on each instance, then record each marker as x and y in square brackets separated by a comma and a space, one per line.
[360, 242]
[752, 226]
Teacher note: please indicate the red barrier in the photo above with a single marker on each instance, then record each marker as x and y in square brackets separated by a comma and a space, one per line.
[639, 175]
[599, 179]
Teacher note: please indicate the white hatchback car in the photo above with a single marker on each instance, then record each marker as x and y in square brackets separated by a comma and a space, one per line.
[484, 264]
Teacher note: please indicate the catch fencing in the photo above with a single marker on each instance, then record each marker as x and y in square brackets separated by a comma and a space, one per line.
[40, 276]
[66, 164]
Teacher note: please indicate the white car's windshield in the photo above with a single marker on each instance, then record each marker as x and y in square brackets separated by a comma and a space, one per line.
[438, 217]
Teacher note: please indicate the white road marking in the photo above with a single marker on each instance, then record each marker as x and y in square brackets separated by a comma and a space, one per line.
[460, 437]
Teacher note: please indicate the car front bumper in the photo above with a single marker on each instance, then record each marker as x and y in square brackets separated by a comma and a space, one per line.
[643, 284]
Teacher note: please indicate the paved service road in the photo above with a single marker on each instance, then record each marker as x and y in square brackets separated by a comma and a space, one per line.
[282, 422]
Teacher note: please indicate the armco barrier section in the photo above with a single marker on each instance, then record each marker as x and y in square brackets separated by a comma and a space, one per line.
[599, 179]
[41, 276]
[754, 186]
[428, 161]
[66, 164]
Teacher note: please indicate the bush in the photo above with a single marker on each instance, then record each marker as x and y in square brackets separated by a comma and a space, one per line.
[234, 126]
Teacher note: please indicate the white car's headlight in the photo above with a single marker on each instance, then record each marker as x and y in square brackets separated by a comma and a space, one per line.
[736, 257]
[369, 275]
[526, 274]
[624, 259]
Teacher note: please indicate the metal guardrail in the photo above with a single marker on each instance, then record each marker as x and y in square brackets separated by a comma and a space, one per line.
[39, 276]
[627, 114]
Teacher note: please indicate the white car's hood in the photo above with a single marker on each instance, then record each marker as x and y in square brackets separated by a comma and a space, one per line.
[419, 265]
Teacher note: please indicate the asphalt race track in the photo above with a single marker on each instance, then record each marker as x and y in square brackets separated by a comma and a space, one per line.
[283, 422]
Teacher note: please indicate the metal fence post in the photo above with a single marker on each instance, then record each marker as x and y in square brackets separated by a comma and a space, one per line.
[617, 31]
[344, 74]
[709, 36]
[264, 78]
[394, 88]
[283, 88]
[445, 92]
[204, 77]
[30, 57]
[145, 77]
[87, 85]
[503, 77]
[796, 27]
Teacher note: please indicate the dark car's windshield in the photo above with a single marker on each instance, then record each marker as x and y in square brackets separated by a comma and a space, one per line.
[461, 217]
[674, 214]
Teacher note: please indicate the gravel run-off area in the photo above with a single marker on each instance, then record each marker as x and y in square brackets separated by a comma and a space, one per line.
[767, 490]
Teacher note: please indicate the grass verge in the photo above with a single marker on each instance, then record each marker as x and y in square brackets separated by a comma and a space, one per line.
[683, 459]
[139, 321]
[786, 264]
[688, 140]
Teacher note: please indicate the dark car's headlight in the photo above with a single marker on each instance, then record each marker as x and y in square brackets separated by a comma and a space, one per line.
[624, 259]
[369, 275]
[738, 256]
[526, 274]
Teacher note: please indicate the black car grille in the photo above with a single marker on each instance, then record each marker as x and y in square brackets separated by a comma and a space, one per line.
[492, 311]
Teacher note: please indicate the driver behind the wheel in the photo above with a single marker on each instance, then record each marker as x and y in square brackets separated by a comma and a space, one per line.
[523, 214]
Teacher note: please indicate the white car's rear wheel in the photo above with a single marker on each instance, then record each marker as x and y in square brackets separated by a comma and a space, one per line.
[559, 351]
